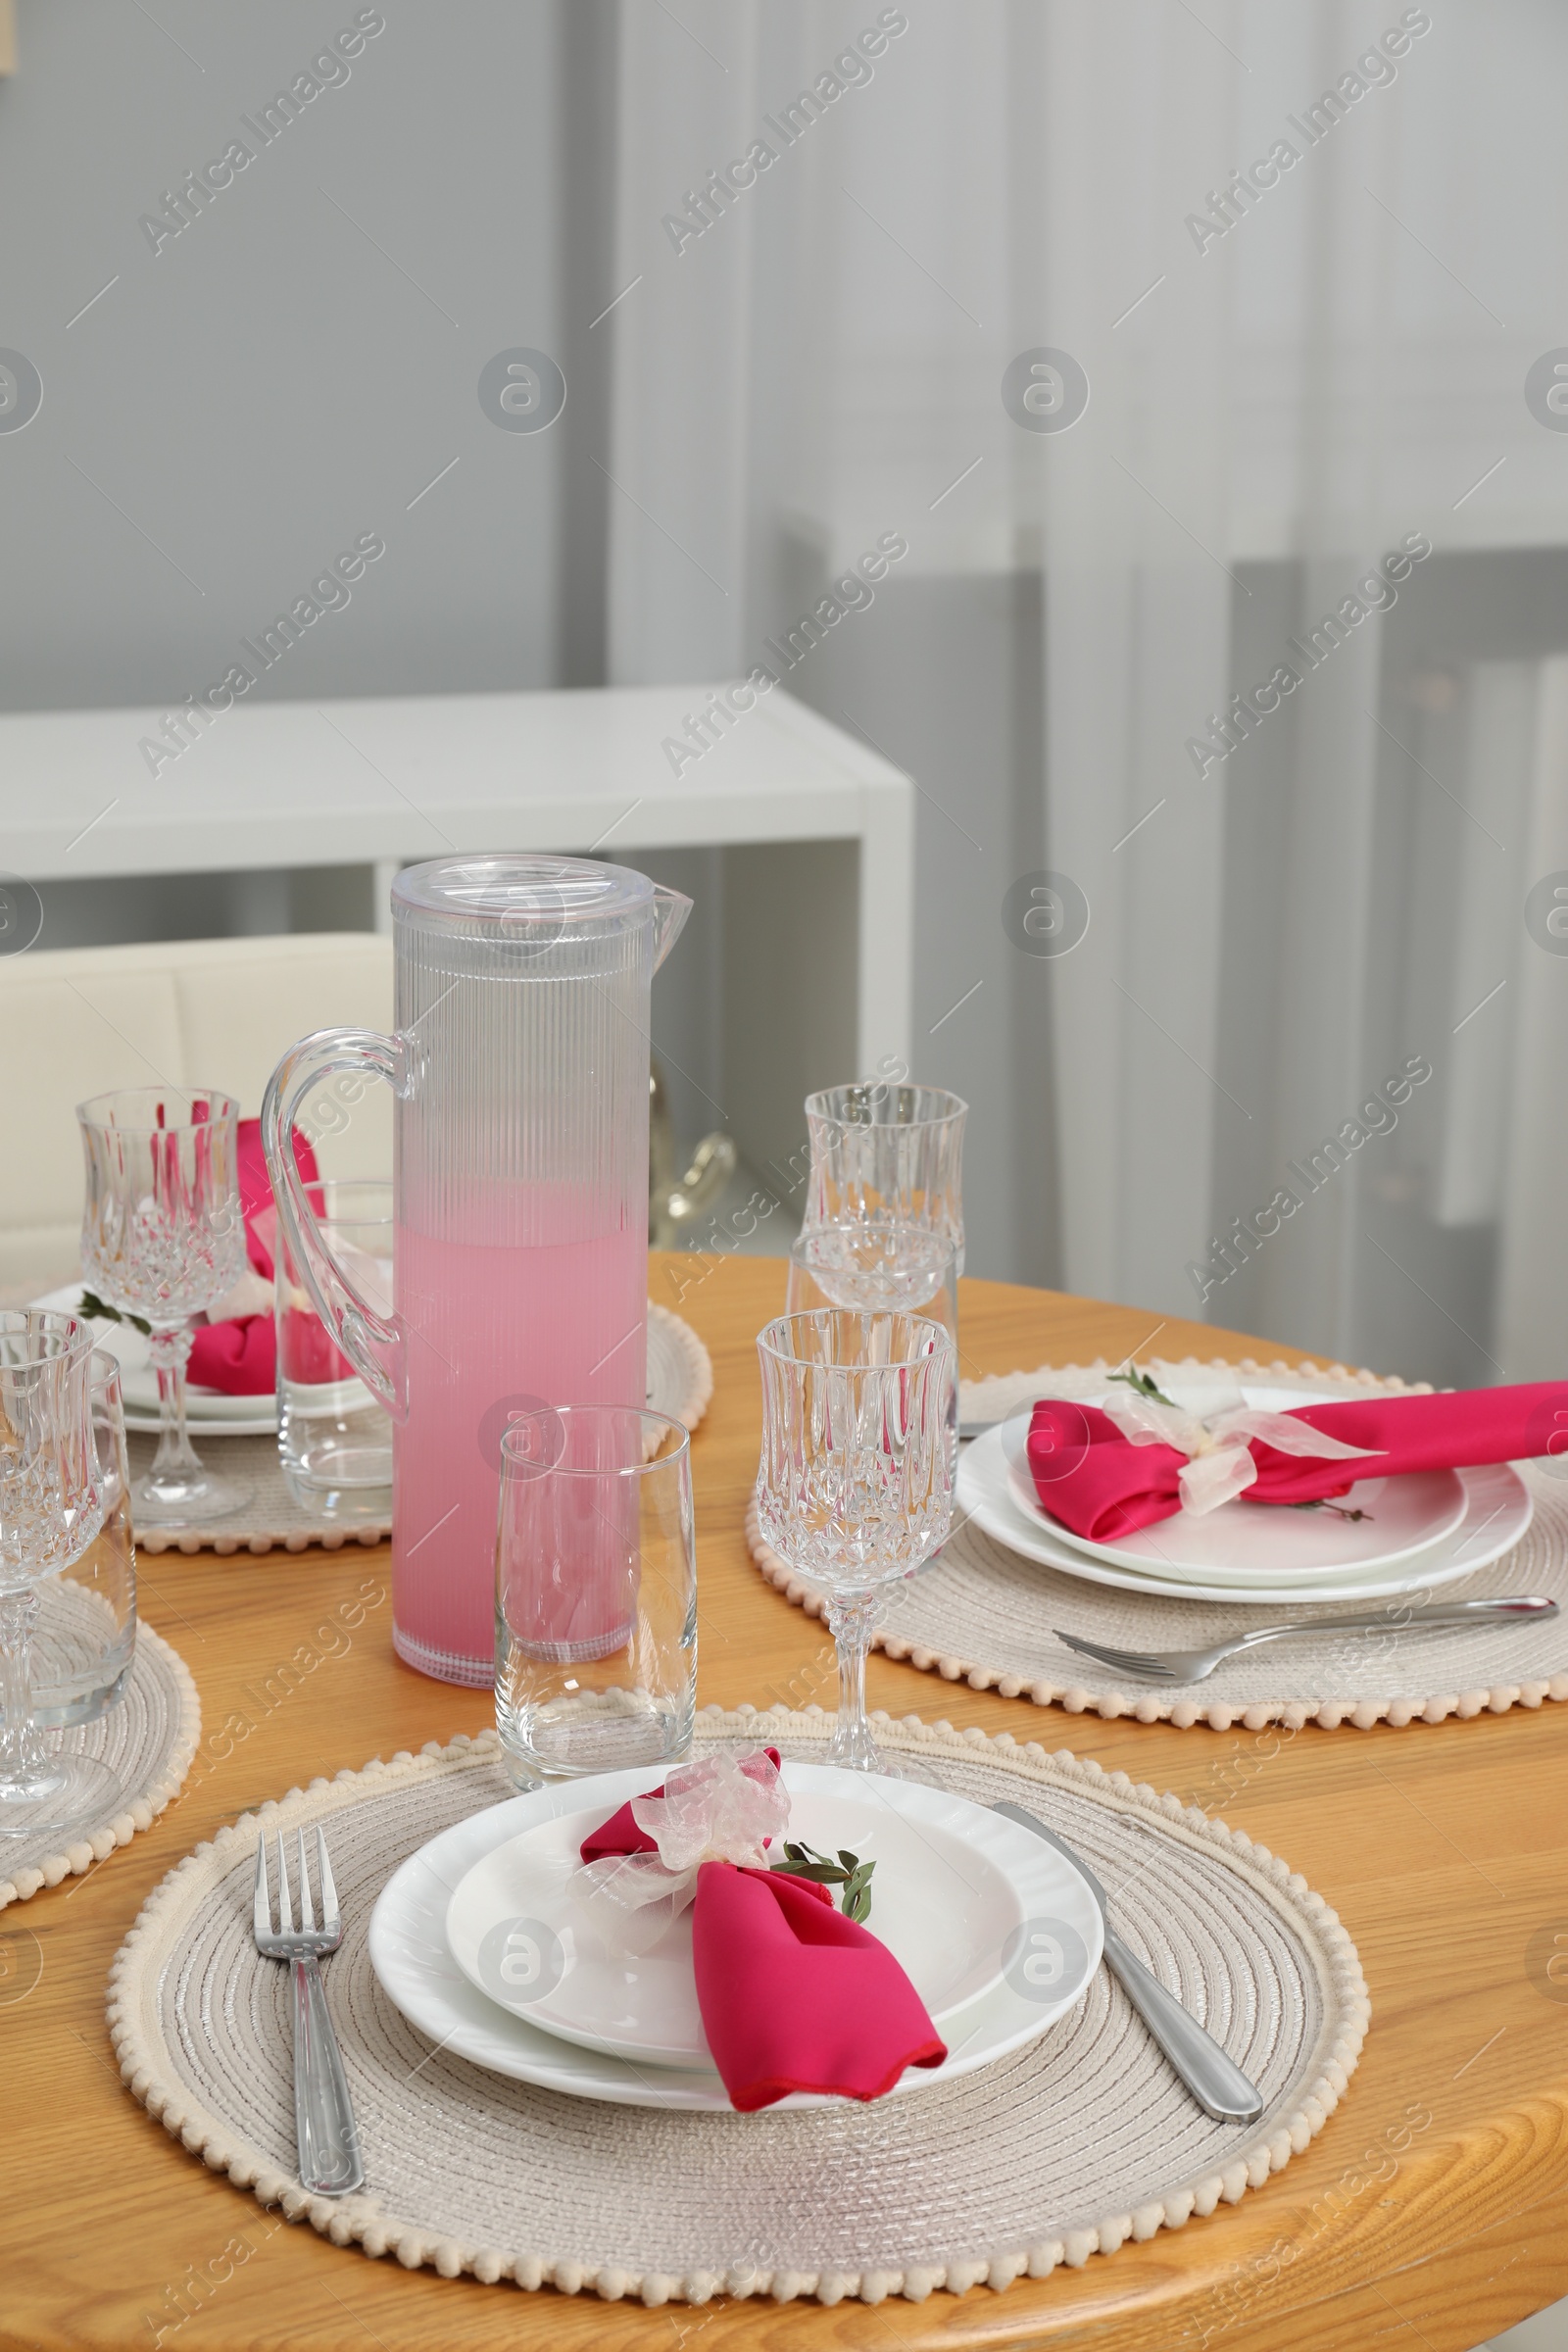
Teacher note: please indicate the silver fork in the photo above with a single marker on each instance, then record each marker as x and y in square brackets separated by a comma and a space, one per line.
[1193, 1665]
[324, 2130]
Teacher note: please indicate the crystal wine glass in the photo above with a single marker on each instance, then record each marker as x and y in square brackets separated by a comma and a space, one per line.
[162, 1239]
[855, 1487]
[51, 1508]
[876, 1263]
[890, 1151]
[883, 1266]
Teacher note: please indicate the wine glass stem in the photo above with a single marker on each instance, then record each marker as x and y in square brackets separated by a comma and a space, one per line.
[852, 1617]
[24, 1763]
[170, 1347]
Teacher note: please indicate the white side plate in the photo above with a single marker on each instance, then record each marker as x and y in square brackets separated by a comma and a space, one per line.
[1242, 1539]
[952, 1885]
[1498, 1510]
[1242, 1542]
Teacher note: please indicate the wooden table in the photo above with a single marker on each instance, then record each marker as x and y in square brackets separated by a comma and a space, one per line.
[1444, 1849]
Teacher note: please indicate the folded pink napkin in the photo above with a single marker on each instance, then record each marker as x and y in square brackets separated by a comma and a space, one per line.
[1103, 1485]
[793, 1996]
[239, 1355]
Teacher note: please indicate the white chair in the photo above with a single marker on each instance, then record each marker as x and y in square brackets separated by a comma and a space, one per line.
[216, 1013]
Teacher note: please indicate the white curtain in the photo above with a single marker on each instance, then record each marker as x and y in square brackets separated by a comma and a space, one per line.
[1292, 379]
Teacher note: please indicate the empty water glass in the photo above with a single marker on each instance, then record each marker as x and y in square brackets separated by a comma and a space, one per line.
[855, 1487]
[51, 1508]
[86, 1635]
[334, 1441]
[886, 1149]
[596, 1592]
[162, 1239]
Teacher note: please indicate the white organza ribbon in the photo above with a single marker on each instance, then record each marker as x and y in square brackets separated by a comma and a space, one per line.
[1220, 1465]
[721, 1809]
[251, 1295]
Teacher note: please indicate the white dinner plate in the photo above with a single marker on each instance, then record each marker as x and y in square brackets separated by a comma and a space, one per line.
[952, 1885]
[204, 1408]
[1060, 1949]
[1498, 1510]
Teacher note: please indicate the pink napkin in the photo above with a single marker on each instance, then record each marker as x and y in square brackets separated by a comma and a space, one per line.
[794, 1996]
[1100, 1485]
[240, 1356]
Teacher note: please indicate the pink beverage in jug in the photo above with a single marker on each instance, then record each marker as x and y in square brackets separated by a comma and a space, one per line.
[497, 1330]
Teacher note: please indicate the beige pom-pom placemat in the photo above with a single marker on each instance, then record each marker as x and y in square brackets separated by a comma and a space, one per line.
[148, 1741]
[982, 1614]
[681, 1383]
[267, 1518]
[680, 1370]
[1070, 2146]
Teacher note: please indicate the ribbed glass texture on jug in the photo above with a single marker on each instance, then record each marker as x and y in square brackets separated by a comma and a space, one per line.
[528, 1119]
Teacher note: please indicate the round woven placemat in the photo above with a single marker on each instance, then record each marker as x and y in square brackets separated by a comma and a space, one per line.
[267, 1518]
[680, 1383]
[680, 1370]
[148, 1740]
[982, 1614]
[1067, 2147]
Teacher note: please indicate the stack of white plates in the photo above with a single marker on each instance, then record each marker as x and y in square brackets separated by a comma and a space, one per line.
[478, 1939]
[1417, 1531]
[204, 1408]
[211, 1408]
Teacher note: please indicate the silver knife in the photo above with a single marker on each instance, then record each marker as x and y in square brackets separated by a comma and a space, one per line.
[1218, 2086]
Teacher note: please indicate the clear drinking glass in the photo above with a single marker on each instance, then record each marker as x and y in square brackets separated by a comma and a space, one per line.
[51, 1508]
[334, 1438]
[596, 1592]
[163, 1237]
[86, 1635]
[889, 1150]
[855, 1487]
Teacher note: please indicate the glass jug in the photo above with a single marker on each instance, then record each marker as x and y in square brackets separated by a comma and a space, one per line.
[519, 1067]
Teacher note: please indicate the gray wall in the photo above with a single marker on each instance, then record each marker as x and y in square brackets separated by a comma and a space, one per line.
[1423, 1281]
[275, 380]
[944, 678]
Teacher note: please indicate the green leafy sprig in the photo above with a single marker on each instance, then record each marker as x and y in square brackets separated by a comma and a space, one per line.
[1144, 1387]
[98, 1311]
[849, 1872]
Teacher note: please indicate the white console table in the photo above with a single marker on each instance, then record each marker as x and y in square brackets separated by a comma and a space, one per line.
[818, 832]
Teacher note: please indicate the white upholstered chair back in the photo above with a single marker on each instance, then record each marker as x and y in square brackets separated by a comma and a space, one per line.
[76, 1021]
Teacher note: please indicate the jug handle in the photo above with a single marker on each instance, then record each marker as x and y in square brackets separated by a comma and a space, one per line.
[670, 909]
[373, 1343]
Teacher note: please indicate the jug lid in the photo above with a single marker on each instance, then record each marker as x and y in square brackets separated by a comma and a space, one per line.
[518, 891]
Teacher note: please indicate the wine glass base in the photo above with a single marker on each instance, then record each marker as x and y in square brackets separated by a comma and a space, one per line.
[862, 1753]
[68, 1794]
[870, 1758]
[177, 1498]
